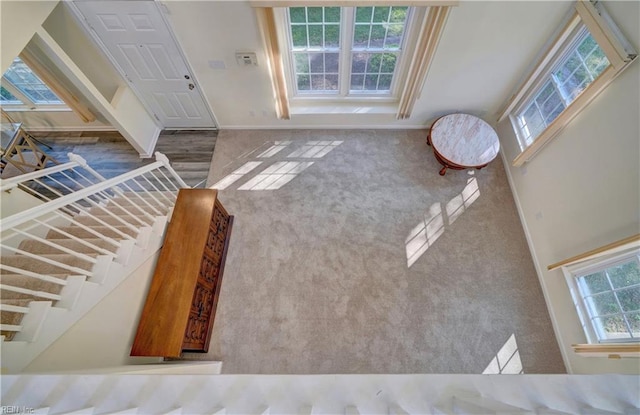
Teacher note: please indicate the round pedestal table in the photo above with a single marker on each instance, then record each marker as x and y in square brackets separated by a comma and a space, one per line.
[462, 141]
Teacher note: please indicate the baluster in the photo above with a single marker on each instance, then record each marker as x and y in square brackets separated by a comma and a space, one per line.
[47, 260]
[143, 200]
[163, 194]
[144, 189]
[156, 189]
[165, 161]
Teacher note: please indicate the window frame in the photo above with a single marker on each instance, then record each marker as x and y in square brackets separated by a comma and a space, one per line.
[572, 275]
[568, 48]
[20, 98]
[26, 103]
[616, 48]
[345, 49]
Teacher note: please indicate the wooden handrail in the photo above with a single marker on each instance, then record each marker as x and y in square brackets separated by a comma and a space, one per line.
[588, 254]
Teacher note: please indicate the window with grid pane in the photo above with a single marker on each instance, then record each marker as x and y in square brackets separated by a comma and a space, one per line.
[26, 82]
[377, 39]
[6, 97]
[609, 298]
[315, 45]
[581, 65]
[344, 51]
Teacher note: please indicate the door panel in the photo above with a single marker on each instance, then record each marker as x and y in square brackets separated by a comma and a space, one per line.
[136, 36]
[187, 104]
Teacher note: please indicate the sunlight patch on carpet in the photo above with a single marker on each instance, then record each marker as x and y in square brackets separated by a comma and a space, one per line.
[507, 360]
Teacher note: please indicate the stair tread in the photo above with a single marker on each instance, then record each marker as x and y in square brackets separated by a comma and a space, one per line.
[34, 284]
[132, 212]
[15, 280]
[11, 317]
[100, 214]
[16, 302]
[81, 232]
[34, 246]
[34, 265]
[55, 257]
[111, 220]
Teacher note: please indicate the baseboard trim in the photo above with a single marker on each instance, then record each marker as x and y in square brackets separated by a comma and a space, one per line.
[536, 263]
[325, 127]
[70, 129]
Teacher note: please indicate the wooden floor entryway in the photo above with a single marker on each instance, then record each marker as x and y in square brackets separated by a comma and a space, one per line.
[190, 152]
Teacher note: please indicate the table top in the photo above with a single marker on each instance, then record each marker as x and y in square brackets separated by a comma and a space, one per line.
[464, 140]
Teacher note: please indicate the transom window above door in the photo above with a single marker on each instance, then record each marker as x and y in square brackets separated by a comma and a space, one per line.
[345, 51]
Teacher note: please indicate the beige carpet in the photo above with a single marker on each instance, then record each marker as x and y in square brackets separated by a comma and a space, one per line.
[350, 254]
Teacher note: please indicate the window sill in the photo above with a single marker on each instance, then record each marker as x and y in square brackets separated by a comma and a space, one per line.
[611, 351]
[57, 108]
[343, 108]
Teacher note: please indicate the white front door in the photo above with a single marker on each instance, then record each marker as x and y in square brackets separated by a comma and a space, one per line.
[141, 44]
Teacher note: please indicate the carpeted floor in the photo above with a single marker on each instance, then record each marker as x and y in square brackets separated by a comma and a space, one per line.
[350, 254]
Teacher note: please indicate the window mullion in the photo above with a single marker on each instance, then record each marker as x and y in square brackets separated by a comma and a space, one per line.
[347, 20]
[544, 120]
[584, 65]
[556, 86]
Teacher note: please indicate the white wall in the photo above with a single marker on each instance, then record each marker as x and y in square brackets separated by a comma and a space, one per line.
[20, 20]
[485, 47]
[64, 28]
[582, 191]
[16, 200]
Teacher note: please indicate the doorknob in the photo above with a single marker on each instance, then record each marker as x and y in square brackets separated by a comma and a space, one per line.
[191, 86]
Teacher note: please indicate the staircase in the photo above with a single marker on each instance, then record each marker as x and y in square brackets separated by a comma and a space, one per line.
[61, 257]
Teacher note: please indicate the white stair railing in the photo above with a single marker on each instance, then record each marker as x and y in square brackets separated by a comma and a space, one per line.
[324, 394]
[86, 223]
[56, 181]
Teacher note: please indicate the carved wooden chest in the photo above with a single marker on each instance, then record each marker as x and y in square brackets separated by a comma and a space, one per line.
[181, 304]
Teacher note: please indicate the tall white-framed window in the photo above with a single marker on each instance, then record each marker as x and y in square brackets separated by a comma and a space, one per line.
[345, 52]
[23, 88]
[606, 294]
[588, 53]
[582, 63]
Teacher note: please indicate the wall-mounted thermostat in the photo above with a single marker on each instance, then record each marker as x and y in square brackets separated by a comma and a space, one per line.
[246, 59]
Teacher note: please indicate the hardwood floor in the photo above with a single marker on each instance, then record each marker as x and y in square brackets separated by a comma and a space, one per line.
[190, 152]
